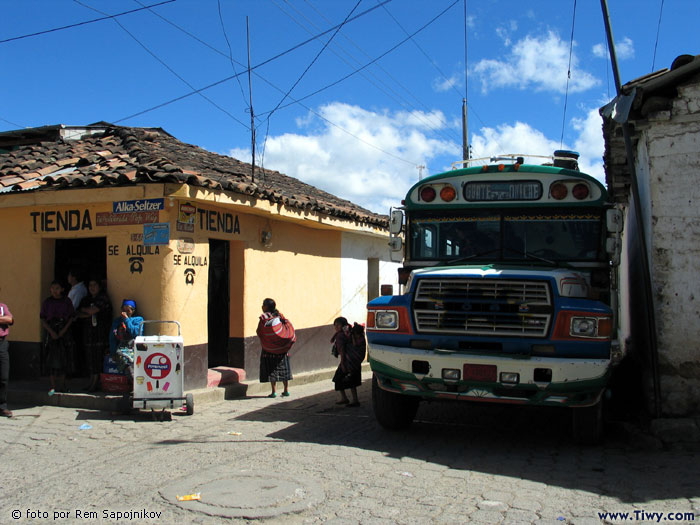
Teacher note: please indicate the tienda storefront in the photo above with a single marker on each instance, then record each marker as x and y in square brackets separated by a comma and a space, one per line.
[205, 258]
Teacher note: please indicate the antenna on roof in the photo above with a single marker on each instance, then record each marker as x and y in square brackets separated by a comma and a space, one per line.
[465, 133]
[252, 117]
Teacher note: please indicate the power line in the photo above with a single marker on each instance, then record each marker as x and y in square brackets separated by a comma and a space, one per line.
[84, 23]
[568, 75]
[279, 55]
[391, 93]
[434, 64]
[375, 59]
[230, 52]
[658, 29]
[182, 79]
[325, 45]
[307, 108]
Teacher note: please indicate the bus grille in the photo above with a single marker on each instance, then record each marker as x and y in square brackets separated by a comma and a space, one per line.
[483, 307]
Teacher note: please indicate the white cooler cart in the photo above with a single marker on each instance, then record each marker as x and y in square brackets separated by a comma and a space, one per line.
[159, 371]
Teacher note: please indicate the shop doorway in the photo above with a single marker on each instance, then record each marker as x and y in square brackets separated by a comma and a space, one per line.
[218, 307]
[88, 256]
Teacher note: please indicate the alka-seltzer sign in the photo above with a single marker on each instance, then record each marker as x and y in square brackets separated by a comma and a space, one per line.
[139, 205]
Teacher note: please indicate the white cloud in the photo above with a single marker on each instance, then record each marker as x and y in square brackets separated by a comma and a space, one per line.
[623, 49]
[590, 144]
[523, 139]
[443, 84]
[365, 167]
[540, 63]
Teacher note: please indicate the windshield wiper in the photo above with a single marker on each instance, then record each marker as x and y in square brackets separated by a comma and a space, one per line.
[473, 256]
[530, 255]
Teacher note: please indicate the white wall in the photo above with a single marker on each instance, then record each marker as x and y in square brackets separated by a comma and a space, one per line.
[669, 162]
[356, 249]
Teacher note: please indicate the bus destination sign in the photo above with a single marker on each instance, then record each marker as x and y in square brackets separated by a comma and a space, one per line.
[514, 190]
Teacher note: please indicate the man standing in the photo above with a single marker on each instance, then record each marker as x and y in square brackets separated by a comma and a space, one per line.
[78, 290]
[6, 320]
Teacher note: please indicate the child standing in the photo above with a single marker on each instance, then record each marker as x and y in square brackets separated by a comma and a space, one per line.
[125, 328]
[56, 317]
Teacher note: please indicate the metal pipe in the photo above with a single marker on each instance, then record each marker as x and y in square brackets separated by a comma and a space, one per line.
[639, 219]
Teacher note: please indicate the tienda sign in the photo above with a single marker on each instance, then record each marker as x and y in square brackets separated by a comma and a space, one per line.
[138, 205]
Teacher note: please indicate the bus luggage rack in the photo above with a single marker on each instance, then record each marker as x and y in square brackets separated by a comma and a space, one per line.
[483, 307]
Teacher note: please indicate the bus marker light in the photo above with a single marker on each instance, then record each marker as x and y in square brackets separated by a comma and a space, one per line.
[501, 167]
[448, 193]
[580, 191]
[558, 191]
[427, 193]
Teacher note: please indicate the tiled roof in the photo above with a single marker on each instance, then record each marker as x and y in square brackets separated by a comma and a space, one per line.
[645, 95]
[102, 155]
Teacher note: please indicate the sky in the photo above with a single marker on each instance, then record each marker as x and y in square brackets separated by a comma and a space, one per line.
[358, 98]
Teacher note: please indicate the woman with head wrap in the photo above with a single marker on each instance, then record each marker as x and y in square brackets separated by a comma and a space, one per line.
[125, 328]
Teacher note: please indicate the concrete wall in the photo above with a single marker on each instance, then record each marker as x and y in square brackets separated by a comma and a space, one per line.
[668, 164]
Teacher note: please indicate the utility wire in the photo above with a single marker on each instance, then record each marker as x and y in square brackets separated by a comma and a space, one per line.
[325, 45]
[84, 23]
[568, 75]
[658, 29]
[375, 80]
[432, 62]
[375, 59]
[182, 79]
[230, 54]
[263, 79]
[264, 62]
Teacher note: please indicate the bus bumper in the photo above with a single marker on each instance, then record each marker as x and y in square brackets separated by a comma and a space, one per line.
[547, 381]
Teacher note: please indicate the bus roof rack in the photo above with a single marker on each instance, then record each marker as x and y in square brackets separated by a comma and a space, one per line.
[561, 159]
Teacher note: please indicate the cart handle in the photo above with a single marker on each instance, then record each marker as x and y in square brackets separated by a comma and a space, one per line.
[144, 322]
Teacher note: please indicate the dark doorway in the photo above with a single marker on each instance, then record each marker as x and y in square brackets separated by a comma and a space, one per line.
[218, 303]
[88, 256]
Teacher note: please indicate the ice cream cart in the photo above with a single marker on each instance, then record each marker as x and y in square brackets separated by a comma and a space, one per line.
[158, 371]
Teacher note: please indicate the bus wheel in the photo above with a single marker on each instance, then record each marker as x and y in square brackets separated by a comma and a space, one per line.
[393, 411]
[189, 404]
[587, 424]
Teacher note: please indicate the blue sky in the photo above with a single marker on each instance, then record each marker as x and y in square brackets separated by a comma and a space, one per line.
[367, 103]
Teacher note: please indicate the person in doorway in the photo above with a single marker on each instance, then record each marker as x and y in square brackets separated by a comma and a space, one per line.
[95, 312]
[78, 290]
[349, 345]
[124, 330]
[6, 320]
[57, 315]
[273, 366]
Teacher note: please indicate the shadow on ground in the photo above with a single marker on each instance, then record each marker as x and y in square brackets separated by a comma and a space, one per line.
[530, 443]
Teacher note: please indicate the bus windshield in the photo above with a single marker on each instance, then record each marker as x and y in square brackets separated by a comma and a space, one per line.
[507, 235]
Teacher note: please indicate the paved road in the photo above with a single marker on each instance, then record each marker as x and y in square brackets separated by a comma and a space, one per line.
[306, 460]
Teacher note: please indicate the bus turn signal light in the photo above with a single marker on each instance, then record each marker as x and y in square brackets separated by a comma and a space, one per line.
[580, 191]
[448, 193]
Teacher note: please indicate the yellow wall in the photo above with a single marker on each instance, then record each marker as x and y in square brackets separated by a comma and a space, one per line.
[299, 267]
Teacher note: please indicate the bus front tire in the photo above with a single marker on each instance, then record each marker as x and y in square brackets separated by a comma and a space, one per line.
[587, 424]
[393, 411]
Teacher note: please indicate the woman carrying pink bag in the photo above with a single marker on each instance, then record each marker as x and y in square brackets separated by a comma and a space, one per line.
[277, 336]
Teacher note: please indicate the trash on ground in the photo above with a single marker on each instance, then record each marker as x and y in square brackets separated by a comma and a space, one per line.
[235, 433]
[85, 426]
[189, 497]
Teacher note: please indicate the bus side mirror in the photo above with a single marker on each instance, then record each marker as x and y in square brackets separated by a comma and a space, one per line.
[386, 289]
[614, 221]
[395, 221]
[395, 244]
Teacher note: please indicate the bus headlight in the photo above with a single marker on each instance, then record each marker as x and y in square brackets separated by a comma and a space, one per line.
[584, 327]
[386, 319]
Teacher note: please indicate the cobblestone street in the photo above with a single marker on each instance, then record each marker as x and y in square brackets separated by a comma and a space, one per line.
[307, 460]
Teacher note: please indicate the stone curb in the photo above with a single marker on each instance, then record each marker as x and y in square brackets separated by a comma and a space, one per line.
[21, 395]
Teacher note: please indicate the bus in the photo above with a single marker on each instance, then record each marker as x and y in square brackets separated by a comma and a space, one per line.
[508, 292]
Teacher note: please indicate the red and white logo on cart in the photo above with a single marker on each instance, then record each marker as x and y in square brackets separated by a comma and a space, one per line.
[157, 366]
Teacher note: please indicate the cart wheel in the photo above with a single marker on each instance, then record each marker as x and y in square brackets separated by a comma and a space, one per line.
[189, 403]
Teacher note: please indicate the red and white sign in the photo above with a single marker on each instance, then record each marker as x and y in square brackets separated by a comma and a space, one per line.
[157, 366]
